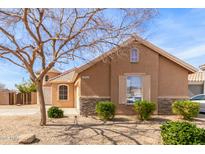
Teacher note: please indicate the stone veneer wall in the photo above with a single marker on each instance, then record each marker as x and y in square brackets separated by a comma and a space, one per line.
[165, 104]
[87, 104]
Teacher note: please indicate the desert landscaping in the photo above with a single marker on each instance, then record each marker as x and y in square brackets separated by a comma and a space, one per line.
[95, 76]
[85, 130]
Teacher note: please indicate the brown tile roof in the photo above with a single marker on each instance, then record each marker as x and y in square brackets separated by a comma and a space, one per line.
[68, 77]
[202, 67]
[197, 77]
[53, 70]
[63, 74]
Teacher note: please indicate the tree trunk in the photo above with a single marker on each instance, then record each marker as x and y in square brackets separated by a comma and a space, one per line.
[41, 103]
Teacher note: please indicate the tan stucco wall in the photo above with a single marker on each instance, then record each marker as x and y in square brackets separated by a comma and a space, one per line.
[50, 75]
[102, 79]
[77, 93]
[4, 98]
[62, 103]
[167, 77]
[98, 83]
[148, 64]
[173, 79]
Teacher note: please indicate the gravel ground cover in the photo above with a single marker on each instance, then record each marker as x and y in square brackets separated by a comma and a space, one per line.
[85, 130]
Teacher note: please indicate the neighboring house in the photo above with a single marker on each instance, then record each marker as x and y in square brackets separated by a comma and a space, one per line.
[137, 70]
[197, 82]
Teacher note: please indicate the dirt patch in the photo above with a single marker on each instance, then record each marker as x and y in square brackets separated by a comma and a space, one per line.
[90, 130]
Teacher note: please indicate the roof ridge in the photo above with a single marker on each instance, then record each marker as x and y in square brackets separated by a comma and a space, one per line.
[166, 54]
[129, 40]
[63, 73]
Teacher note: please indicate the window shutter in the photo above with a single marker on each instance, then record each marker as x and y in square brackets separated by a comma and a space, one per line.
[146, 87]
[122, 89]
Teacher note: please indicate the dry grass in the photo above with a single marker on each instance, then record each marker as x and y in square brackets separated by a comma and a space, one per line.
[123, 130]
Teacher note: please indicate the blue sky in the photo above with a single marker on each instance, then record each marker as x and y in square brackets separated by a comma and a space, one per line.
[180, 32]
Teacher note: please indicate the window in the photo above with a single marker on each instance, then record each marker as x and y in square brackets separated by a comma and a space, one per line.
[134, 55]
[63, 92]
[134, 89]
[46, 78]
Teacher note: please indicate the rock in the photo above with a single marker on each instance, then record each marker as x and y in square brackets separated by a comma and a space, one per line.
[26, 138]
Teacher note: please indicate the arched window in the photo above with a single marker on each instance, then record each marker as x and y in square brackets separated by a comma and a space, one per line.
[134, 55]
[46, 78]
[63, 92]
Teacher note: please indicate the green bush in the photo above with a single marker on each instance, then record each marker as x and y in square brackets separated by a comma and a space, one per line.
[26, 87]
[105, 110]
[55, 112]
[144, 109]
[187, 109]
[183, 133]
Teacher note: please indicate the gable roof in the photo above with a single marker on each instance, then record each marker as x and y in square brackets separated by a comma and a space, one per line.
[138, 39]
[68, 76]
[169, 56]
[198, 77]
[53, 70]
[202, 67]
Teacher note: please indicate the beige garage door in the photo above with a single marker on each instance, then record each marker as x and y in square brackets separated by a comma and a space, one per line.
[47, 95]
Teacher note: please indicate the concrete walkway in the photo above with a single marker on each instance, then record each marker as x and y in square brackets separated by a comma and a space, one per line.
[17, 112]
[67, 111]
[14, 110]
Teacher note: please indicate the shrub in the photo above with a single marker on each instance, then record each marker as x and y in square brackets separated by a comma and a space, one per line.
[187, 109]
[26, 87]
[144, 109]
[105, 110]
[55, 112]
[183, 133]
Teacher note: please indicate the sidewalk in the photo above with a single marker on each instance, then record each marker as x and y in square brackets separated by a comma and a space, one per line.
[14, 110]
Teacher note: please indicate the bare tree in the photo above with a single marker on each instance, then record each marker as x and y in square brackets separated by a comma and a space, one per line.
[36, 39]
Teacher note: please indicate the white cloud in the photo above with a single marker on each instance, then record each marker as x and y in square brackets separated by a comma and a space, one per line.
[181, 34]
[193, 52]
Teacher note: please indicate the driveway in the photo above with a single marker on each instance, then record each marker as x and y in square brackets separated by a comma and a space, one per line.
[22, 110]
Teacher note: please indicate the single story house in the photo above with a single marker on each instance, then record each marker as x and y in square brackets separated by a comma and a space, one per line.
[137, 70]
[197, 82]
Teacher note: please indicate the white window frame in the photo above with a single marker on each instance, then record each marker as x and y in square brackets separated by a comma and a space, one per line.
[134, 59]
[58, 92]
[135, 75]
